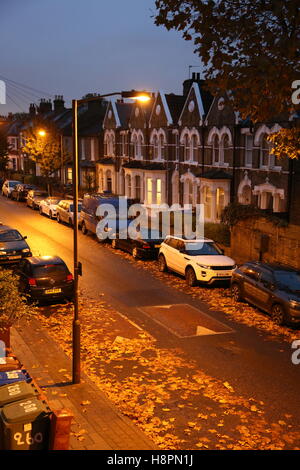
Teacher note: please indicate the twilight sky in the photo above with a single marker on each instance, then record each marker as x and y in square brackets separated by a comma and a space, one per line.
[73, 47]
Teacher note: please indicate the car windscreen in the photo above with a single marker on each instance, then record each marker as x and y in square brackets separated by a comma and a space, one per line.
[10, 236]
[55, 271]
[12, 184]
[54, 201]
[288, 279]
[202, 249]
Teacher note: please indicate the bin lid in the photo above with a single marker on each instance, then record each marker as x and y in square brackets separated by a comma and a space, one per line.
[15, 392]
[11, 376]
[25, 411]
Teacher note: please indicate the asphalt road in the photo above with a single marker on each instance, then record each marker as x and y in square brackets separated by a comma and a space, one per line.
[254, 365]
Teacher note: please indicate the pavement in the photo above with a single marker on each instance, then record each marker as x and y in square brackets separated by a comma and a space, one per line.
[96, 424]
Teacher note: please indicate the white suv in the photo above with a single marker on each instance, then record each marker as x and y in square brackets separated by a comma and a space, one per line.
[198, 260]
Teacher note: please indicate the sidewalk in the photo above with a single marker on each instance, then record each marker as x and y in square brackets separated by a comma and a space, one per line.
[97, 424]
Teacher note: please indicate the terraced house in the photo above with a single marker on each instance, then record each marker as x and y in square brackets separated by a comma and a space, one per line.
[193, 148]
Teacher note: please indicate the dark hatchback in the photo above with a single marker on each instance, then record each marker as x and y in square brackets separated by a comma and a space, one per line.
[13, 246]
[46, 278]
[144, 245]
[20, 191]
[34, 197]
[272, 288]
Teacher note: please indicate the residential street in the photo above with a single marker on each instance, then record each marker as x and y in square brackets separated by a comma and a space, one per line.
[252, 361]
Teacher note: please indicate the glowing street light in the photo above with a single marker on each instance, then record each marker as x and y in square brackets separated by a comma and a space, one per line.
[141, 96]
[42, 133]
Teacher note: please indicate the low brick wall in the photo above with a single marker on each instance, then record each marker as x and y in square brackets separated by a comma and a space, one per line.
[280, 245]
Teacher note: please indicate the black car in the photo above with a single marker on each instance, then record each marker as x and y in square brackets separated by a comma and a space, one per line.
[45, 278]
[34, 197]
[13, 246]
[145, 244]
[20, 191]
[273, 288]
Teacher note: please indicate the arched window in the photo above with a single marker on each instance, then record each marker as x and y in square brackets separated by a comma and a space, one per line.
[161, 146]
[215, 149]
[194, 148]
[186, 148]
[154, 142]
[267, 160]
[224, 147]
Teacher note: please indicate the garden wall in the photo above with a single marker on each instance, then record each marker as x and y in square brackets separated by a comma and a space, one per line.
[260, 239]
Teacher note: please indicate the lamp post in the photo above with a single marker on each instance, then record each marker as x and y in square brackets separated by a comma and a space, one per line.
[133, 94]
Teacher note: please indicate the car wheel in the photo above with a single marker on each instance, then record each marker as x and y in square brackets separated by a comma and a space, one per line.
[114, 244]
[50, 215]
[236, 292]
[84, 229]
[277, 314]
[135, 252]
[191, 277]
[40, 211]
[162, 265]
[58, 218]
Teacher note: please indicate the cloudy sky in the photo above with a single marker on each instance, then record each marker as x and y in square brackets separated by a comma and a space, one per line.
[72, 47]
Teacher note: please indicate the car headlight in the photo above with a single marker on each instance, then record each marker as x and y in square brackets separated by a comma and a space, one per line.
[294, 304]
[3, 252]
[203, 266]
[26, 250]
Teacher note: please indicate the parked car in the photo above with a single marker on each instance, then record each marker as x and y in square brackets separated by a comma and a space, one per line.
[272, 288]
[65, 211]
[145, 245]
[8, 186]
[198, 260]
[45, 278]
[13, 246]
[34, 197]
[89, 220]
[20, 191]
[48, 207]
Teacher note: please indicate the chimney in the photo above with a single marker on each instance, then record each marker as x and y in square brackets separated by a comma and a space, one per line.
[45, 106]
[188, 83]
[32, 109]
[59, 104]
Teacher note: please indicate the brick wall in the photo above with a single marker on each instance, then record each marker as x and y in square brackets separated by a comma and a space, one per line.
[282, 245]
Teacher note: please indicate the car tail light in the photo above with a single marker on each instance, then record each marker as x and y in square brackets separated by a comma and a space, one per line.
[146, 246]
[32, 281]
[70, 277]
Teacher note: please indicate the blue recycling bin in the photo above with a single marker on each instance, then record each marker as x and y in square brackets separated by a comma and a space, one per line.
[12, 376]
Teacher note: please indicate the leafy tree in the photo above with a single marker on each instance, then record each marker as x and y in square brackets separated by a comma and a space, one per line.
[4, 151]
[248, 47]
[13, 305]
[45, 149]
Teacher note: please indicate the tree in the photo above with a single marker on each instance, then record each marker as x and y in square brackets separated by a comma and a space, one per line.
[4, 151]
[250, 48]
[13, 305]
[43, 146]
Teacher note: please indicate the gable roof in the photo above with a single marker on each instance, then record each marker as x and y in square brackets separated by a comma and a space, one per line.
[204, 99]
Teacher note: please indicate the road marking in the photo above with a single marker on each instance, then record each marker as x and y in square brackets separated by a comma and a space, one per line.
[184, 320]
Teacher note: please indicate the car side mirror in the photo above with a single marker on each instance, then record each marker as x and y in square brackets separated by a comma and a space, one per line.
[24, 238]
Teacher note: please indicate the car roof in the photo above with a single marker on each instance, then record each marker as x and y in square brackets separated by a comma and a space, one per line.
[42, 260]
[271, 266]
[186, 240]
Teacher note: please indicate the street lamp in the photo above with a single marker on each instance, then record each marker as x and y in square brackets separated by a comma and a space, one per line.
[135, 95]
